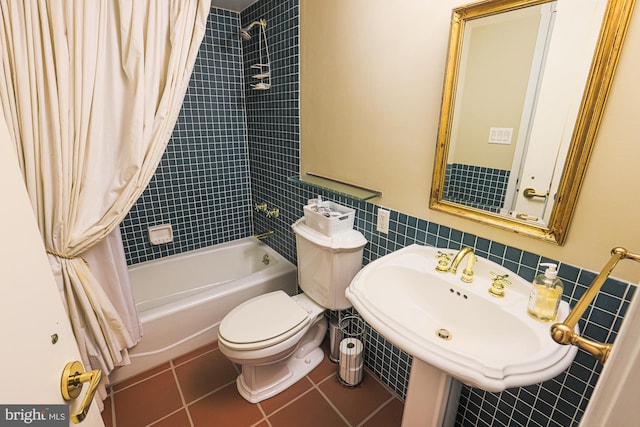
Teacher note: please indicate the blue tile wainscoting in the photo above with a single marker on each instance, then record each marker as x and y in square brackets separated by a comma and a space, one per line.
[234, 147]
[476, 186]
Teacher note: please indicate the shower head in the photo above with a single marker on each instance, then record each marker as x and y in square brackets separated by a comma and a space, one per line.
[244, 32]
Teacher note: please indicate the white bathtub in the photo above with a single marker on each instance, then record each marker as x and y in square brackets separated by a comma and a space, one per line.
[183, 298]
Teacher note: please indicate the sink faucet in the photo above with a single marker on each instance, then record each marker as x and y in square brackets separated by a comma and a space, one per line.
[467, 273]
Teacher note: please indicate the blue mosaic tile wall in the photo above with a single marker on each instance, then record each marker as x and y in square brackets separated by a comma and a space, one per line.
[273, 122]
[202, 185]
[254, 163]
[476, 186]
[558, 402]
[273, 132]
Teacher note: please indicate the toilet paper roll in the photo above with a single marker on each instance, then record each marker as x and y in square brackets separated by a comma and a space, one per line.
[351, 376]
[351, 354]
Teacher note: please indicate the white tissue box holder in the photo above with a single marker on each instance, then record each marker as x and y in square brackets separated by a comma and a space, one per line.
[329, 225]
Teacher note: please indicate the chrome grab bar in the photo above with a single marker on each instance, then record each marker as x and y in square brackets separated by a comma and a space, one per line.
[563, 333]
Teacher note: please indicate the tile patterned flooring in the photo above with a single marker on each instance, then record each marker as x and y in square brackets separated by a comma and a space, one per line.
[199, 390]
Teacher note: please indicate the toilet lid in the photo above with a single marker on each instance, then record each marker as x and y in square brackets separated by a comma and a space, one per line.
[262, 319]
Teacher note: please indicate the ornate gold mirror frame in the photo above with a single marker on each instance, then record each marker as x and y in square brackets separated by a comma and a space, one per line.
[603, 66]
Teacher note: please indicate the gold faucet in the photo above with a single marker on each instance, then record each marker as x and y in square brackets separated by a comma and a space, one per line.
[270, 213]
[467, 273]
[263, 235]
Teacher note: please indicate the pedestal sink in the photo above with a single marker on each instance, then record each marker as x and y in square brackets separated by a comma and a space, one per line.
[455, 329]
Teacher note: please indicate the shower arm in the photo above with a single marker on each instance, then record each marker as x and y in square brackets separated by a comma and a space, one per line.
[563, 333]
[261, 22]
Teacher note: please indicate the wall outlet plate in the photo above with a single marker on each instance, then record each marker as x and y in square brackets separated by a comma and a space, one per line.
[382, 224]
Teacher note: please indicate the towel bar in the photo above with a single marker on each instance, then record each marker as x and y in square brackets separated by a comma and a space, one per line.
[563, 333]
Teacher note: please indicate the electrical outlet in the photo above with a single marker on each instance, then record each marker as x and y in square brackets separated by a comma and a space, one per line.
[383, 221]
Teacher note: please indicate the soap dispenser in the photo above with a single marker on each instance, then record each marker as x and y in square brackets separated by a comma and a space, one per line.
[545, 295]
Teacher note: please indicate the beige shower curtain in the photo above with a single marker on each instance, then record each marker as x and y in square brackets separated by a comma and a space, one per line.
[91, 90]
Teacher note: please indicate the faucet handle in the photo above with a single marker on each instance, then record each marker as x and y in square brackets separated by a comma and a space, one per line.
[498, 283]
[500, 278]
[443, 261]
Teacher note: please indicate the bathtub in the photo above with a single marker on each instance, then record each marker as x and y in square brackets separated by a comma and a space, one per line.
[181, 299]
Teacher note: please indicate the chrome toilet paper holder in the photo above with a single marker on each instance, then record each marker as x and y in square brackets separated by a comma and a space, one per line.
[351, 350]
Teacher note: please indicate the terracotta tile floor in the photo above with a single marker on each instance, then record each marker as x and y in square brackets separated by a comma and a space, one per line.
[199, 390]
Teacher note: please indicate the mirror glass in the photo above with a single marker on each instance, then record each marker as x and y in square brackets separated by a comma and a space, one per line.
[525, 86]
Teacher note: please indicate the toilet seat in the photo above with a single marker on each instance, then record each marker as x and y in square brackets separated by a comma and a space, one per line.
[262, 322]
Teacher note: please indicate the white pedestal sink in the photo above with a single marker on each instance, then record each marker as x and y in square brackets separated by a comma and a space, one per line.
[432, 397]
[455, 329]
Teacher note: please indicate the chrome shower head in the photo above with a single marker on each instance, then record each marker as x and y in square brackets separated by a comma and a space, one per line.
[244, 32]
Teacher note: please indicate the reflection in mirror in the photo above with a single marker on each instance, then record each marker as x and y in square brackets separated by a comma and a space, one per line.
[498, 86]
[525, 87]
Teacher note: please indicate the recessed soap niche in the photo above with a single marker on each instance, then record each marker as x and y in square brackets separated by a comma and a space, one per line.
[160, 234]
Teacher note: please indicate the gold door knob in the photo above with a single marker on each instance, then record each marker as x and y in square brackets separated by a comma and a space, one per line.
[73, 376]
[530, 193]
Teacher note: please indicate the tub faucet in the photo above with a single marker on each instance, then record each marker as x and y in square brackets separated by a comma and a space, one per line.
[263, 235]
[467, 273]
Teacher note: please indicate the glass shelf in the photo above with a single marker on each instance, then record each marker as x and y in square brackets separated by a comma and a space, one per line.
[342, 188]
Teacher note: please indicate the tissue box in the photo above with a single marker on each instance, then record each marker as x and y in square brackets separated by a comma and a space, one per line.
[339, 219]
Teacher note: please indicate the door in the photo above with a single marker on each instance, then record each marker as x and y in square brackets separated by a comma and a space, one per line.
[521, 158]
[614, 400]
[566, 71]
[36, 340]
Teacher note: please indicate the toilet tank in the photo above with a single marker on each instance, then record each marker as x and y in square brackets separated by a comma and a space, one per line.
[326, 264]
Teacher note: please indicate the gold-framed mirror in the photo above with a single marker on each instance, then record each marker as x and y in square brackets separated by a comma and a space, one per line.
[526, 82]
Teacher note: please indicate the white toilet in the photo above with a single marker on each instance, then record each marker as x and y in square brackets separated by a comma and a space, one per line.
[276, 337]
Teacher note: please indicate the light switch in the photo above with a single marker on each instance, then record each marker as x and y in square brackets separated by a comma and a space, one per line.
[500, 135]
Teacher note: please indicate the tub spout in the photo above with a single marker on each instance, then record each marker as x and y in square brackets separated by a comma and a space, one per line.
[263, 235]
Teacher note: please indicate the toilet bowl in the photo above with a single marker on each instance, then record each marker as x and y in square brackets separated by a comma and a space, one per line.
[276, 339]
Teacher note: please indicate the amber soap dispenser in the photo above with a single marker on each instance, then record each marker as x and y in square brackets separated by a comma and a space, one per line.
[545, 295]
